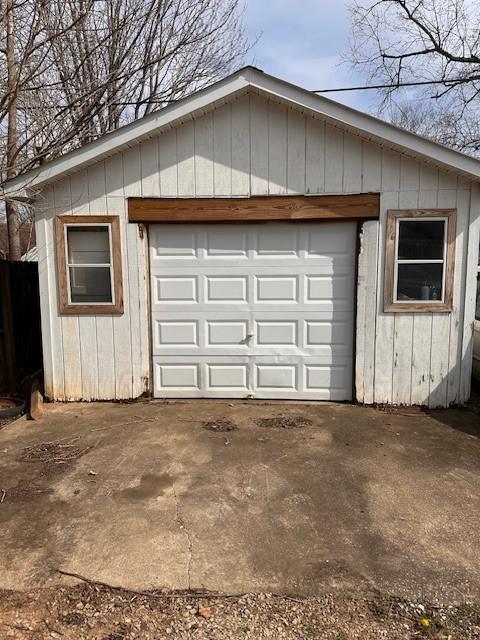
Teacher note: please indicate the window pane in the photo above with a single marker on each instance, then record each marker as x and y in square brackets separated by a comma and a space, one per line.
[419, 282]
[88, 245]
[90, 285]
[420, 239]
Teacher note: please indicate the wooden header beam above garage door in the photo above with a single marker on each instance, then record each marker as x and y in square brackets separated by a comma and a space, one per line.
[266, 208]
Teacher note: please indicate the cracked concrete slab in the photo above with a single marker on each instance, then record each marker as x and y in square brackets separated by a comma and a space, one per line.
[359, 499]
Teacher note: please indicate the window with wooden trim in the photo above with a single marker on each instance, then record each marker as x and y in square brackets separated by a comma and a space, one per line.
[89, 264]
[419, 260]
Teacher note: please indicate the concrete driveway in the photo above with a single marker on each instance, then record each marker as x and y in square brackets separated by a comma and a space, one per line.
[141, 495]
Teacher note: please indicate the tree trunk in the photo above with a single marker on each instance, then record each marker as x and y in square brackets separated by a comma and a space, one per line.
[14, 251]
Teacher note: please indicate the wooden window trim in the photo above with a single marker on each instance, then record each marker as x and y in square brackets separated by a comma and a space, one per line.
[363, 206]
[67, 308]
[389, 304]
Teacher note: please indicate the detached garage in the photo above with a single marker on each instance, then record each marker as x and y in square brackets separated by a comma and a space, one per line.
[255, 240]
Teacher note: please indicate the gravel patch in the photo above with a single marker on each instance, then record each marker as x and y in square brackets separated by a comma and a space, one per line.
[284, 422]
[220, 426]
[53, 453]
[96, 612]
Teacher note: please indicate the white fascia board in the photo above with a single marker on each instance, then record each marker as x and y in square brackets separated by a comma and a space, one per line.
[123, 137]
[365, 123]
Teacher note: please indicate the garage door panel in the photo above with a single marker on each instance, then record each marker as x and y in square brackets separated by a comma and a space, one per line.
[325, 292]
[323, 378]
[225, 243]
[262, 377]
[275, 376]
[331, 239]
[177, 376]
[280, 333]
[175, 333]
[226, 333]
[209, 335]
[329, 380]
[253, 310]
[331, 289]
[330, 336]
[223, 289]
[335, 335]
[203, 376]
[168, 289]
[275, 289]
[275, 241]
[227, 377]
[173, 243]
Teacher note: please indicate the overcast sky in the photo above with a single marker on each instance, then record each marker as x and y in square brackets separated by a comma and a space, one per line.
[302, 41]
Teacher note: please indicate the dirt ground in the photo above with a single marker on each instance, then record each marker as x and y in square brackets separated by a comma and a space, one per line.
[98, 613]
[334, 521]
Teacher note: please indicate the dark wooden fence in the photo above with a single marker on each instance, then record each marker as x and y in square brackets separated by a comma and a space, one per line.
[20, 332]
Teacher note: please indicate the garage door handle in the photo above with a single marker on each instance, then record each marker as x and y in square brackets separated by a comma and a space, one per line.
[250, 334]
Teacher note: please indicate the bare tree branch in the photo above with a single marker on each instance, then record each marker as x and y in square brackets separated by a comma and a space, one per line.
[85, 67]
[407, 42]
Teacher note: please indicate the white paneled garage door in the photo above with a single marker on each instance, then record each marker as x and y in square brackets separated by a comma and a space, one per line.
[259, 310]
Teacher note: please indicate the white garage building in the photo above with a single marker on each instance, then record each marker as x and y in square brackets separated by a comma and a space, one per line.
[257, 240]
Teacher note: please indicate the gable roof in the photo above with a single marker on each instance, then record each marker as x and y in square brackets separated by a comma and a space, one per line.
[238, 83]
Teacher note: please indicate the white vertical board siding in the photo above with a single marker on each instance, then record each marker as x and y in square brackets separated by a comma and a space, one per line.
[168, 171]
[296, 126]
[186, 160]
[384, 328]
[249, 147]
[425, 365]
[472, 241]
[259, 145]
[333, 159]
[314, 156]
[277, 149]
[70, 336]
[385, 325]
[241, 156]
[422, 322]
[440, 371]
[204, 160]
[222, 151]
[371, 167]
[352, 164]
[366, 312]
[118, 176]
[52, 342]
[403, 323]
[103, 323]
[87, 331]
[150, 161]
[95, 357]
[462, 204]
